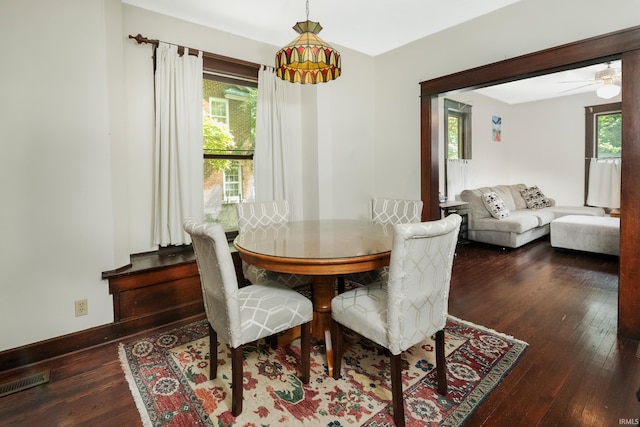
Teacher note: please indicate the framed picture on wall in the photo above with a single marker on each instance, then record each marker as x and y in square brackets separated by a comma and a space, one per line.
[496, 129]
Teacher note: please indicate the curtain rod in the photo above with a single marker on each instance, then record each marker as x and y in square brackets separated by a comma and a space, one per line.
[144, 40]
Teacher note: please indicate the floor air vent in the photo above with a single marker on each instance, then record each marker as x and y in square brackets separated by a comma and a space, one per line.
[24, 383]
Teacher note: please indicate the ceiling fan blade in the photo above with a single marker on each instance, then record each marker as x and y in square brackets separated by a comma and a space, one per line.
[578, 81]
[577, 87]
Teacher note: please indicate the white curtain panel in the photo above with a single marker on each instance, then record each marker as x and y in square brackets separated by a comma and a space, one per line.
[458, 177]
[604, 183]
[178, 171]
[270, 158]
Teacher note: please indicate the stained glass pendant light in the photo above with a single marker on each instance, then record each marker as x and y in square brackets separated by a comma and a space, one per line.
[308, 59]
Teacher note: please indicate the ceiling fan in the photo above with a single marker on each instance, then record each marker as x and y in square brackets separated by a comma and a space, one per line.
[608, 80]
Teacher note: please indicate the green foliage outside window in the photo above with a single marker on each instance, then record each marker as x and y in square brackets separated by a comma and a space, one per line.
[216, 138]
[454, 132]
[609, 135]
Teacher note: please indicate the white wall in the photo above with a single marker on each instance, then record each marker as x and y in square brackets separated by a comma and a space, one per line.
[77, 133]
[55, 179]
[548, 146]
[345, 141]
[542, 143]
[524, 27]
[76, 120]
[337, 123]
[491, 160]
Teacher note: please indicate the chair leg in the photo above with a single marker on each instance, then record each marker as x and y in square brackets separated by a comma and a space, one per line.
[236, 381]
[338, 330]
[441, 363]
[213, 353]
[273, 341]
[396, 390]
[340, 284]
[305, 352]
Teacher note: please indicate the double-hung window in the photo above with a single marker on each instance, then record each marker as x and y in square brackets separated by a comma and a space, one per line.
[457, 119]
[457, 139]
[229, 97]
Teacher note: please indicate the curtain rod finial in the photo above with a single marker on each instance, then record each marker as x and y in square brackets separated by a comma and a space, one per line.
[141, 39]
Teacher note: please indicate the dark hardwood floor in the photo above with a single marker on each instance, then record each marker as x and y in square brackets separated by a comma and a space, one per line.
[576, 371]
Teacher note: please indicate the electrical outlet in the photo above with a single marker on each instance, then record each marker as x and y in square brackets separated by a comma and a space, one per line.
[82, 307]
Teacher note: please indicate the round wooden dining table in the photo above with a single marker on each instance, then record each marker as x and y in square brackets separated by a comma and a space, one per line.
[322, 249]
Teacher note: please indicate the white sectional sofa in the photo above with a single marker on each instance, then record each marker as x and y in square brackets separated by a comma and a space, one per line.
[515, 224]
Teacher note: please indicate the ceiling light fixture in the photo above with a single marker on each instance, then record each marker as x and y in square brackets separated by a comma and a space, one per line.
[608, 90]
[308, 59]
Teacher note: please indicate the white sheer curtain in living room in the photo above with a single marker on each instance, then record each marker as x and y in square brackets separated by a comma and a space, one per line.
[459, 175]
[604, 183]
[178, 143]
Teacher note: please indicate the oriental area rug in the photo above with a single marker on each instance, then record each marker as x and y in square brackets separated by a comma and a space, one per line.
[168, 377]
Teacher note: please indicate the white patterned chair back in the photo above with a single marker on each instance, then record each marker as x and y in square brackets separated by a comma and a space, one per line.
[257, 214]
[412, 304]
[240, 315]
[217, 278]
[419, 280]
[388, 211]
[395, 211]
[260, 214]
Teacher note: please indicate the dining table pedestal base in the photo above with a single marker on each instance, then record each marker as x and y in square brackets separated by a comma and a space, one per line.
[323, 292]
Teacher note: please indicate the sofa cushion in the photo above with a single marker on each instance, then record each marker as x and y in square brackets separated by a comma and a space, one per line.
[534, 198]
[518, 200]
[495, 205]
[545, 215]
[476, 207]
[560, 211]
[505, 193]
[517, 222]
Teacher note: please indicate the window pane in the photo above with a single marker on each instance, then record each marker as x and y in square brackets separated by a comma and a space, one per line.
[454, 132]
[233, 183]
[228, 133]
[225, 185]
[609, 135]
[219, 109]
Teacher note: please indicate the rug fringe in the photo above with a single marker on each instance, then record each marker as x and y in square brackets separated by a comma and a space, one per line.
[142, 410]
[484, 328]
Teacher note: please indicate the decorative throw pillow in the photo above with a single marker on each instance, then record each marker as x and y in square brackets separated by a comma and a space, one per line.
[495, 205]
[534, 198]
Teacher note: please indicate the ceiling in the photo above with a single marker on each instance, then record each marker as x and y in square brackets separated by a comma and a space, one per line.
[570, 82]
[368, 26]
[371, 27]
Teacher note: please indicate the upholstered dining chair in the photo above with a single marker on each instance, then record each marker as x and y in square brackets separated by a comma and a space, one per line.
[407, 307]
[242, 315]
[385, 211]
[396, 211]
[255, 214]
